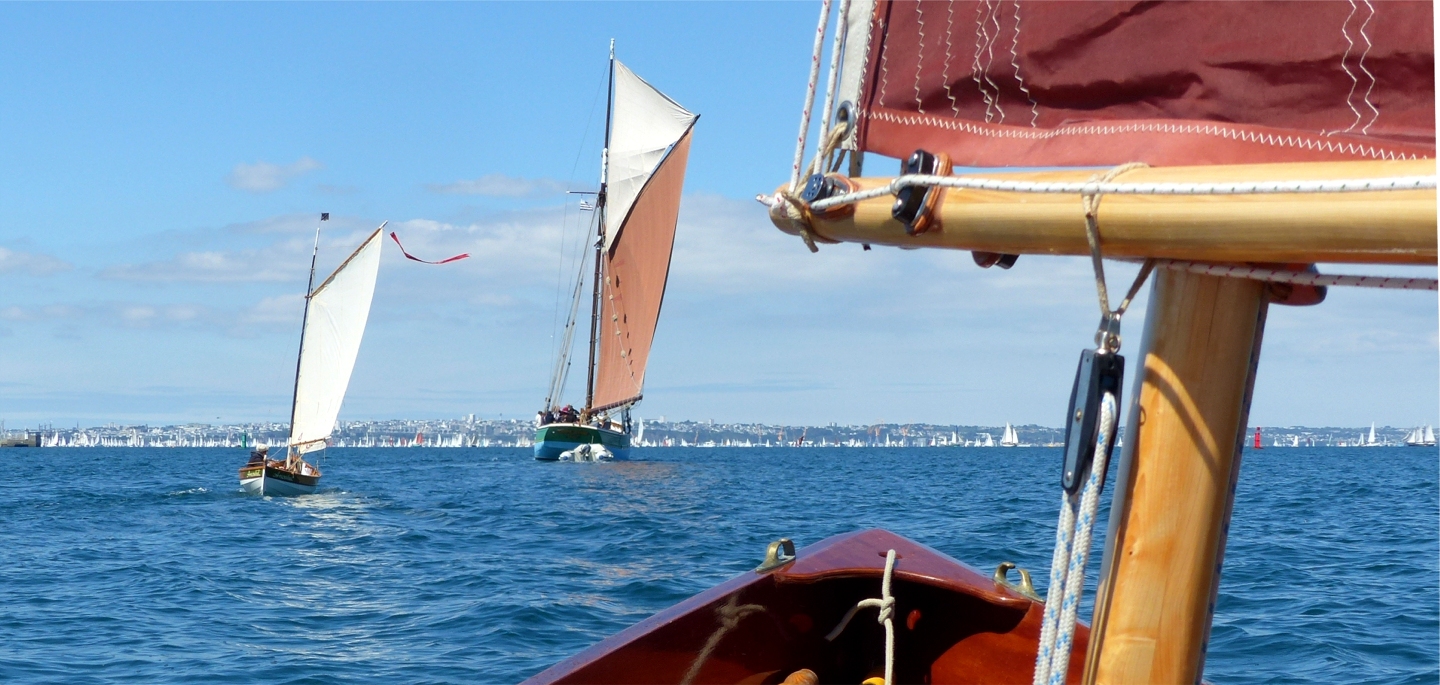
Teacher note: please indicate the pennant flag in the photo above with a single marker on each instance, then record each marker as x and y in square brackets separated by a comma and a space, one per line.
[409, 256]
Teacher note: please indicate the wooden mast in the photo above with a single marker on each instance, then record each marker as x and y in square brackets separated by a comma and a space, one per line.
[600, 235]
[1175, 485]
[304, 319]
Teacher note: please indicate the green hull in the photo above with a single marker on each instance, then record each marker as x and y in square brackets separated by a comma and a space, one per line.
[555, 438]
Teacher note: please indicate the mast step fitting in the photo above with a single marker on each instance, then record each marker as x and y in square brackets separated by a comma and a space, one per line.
[915, 205]
[823, 186]
[1097, 374]
[986, 260]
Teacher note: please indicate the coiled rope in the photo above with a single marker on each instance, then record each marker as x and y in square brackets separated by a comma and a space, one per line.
[886, 605]
[1067, 566]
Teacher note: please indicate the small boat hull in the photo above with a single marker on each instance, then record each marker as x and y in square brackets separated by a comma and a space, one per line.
[273, 481]
[952, 625]
[554, 439]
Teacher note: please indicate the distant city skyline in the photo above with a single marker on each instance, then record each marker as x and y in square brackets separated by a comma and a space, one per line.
[165, 165]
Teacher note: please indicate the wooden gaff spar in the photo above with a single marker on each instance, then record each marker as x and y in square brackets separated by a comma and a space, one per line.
[1202, 93]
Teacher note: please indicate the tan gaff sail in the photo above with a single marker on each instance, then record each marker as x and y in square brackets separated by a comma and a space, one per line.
[649, 147]
[334, 325]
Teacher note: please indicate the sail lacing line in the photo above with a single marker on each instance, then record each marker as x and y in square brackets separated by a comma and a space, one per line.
[1357, 185]
[1067, 565]
[1299, 277]
[886, 605]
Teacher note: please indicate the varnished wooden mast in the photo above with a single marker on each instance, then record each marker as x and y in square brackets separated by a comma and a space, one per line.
[1395, 227]
[1176, 480]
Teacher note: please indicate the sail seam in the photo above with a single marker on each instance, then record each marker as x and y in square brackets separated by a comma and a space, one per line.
[1271, 139]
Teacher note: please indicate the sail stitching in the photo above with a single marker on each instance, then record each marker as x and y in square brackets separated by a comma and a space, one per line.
[1015, 62]
[1354, 82]
[1294, 141]
[977, 67]
[993, 15]
[1361, 64]
[949, 44]
[919, 54]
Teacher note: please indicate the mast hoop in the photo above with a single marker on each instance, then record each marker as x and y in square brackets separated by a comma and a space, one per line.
[1358, 185]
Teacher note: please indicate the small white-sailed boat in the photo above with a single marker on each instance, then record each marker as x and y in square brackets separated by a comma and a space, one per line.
[334, 323]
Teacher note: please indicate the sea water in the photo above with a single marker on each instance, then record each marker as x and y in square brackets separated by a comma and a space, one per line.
[485, 566]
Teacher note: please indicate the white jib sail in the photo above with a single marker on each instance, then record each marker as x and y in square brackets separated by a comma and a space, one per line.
[646, 124]
[334, 325]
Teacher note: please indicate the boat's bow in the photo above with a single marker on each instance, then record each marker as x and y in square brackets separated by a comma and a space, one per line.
[952, 624]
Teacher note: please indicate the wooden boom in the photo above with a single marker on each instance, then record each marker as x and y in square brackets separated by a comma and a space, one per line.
[1390, 227]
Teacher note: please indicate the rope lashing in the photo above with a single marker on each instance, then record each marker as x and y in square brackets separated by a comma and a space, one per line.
[785, 208]
[886, 605]
[1107, 338]
[1362, 185]
[1067, 566]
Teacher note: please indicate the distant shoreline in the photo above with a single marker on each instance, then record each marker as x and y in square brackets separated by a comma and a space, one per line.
[470, 432]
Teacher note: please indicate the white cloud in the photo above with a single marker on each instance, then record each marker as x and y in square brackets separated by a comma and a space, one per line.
[500, 185]
[29, 263]
[286, 260]
[277, 263]
[264, 177]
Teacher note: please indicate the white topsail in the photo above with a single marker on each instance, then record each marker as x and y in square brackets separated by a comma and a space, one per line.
[646, 125]
[334, 324]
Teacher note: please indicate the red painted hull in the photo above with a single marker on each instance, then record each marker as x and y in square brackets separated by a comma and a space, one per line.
[953, 625]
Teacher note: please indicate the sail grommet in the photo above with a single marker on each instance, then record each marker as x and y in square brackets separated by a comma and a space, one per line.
[915, 205]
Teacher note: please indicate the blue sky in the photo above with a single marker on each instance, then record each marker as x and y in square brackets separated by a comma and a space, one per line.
[163, 164]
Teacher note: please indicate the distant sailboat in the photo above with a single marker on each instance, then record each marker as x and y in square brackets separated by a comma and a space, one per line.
[1421, 437]
[1010, 438]
[334, 323]
[643, 171]
[1370, 441]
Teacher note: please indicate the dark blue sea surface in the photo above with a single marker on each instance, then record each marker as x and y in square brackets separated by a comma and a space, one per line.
[484, 566]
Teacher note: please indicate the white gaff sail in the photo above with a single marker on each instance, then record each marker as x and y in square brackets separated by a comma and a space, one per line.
[334, 324]
[647, 124]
